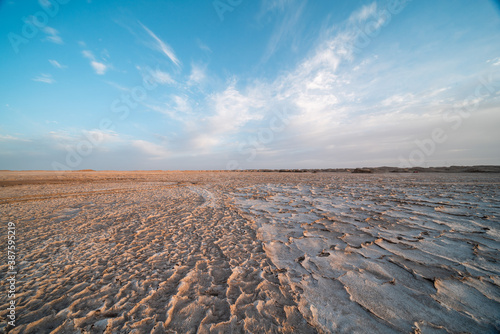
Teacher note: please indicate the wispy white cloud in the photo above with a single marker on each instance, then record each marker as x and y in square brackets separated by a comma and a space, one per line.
[197, 75]
[153, 150]
[157, 75]
[162, 108]
[231, 111]
[162, 46]
[203, 46]
[45, 78]
[182, 104]
[88, 54]
[102, 136]
[234, 109]
[52, 35]
[178, 108]
[117, 86]
[398, 99]
[12, 138]
[99, 68]
[56, 64]
[101, 140]
[288, 27]
[161, 77]
[105, 55]
[363, 14]
[494, 61]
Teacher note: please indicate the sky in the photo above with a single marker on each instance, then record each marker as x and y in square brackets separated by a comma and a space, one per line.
[240, 84]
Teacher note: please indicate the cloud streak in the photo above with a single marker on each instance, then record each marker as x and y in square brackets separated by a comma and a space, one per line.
[288, 27]
[56, 64]
[45, 78]
[162, 46]
[52, 35]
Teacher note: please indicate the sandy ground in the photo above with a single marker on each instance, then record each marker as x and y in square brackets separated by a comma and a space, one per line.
[200, 252]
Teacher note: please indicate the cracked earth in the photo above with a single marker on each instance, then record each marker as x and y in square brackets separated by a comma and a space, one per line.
[220, 252]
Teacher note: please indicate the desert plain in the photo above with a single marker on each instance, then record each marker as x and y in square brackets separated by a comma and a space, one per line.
[251, 252]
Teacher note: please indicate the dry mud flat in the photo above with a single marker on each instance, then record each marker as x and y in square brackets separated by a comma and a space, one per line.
[141, 252]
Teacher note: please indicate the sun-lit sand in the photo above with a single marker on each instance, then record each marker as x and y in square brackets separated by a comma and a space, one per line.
[226, 252]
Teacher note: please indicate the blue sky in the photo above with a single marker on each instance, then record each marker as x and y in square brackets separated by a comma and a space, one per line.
[246, 84]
